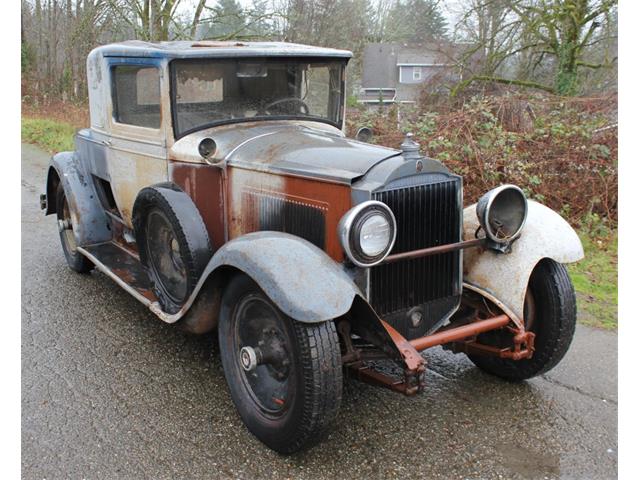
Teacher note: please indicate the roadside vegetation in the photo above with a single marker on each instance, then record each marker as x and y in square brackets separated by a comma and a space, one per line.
[596, 281]
[50, 135]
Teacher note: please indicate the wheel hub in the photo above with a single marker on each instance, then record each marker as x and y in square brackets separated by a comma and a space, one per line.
[249, 358]
[263, 353]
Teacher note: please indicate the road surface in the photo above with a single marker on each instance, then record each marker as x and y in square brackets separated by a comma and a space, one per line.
[109, 391]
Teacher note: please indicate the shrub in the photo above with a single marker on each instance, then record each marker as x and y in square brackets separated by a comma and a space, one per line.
[561, 153]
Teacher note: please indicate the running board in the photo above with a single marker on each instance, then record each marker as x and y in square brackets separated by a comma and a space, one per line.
[124, 269]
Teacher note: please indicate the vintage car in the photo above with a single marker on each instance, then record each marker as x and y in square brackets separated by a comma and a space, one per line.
[216, 185]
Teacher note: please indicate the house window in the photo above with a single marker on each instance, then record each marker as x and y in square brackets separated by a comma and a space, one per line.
[417, 73]
[136, 95]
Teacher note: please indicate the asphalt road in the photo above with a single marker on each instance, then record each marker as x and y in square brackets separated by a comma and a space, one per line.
[109, 391]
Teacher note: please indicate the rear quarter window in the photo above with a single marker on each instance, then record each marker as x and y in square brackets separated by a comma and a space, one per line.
[136, 95]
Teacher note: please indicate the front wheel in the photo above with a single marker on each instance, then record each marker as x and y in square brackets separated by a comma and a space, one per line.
[285, 377]
[550, 313]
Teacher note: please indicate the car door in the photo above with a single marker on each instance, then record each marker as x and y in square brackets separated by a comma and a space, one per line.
[136, 146]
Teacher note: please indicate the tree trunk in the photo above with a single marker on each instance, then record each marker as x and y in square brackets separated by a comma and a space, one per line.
[566, 78]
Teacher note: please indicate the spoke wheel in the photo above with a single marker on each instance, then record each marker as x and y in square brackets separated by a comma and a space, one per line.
[285, 377]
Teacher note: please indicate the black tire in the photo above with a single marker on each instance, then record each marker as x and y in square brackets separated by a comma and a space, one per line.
[554, 323]
[306, 405]
[173, 243]
[75, 259]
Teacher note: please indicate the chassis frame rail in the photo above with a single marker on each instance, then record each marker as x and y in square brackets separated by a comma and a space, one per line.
[458, 339]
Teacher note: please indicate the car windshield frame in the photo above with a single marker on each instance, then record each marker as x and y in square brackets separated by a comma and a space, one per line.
[173, 82]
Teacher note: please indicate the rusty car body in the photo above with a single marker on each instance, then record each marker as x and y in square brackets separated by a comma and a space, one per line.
[215, 185]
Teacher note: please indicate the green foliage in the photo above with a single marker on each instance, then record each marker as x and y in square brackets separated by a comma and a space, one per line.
[352, 102]
[50, 135]
[594, 225]
[595, 279]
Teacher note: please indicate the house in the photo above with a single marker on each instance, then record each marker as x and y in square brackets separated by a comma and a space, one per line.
[396, 73]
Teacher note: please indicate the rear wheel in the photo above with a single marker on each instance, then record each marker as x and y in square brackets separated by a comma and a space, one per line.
[285, 377]
[550, 313]
[75, 259]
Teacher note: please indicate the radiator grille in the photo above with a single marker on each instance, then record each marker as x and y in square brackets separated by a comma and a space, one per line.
[427, 215]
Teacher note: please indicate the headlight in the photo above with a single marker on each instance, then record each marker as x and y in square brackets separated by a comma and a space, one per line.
[502, 213]
[367, 233]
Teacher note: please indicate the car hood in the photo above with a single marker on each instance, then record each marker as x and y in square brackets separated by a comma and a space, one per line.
[304, 149]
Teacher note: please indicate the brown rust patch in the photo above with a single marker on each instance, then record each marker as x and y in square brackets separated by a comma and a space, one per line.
[205, 185]
[332, 198]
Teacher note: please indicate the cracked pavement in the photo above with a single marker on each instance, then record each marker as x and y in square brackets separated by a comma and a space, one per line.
[109, 391]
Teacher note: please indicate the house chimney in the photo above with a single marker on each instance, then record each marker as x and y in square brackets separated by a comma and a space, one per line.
[410, 148]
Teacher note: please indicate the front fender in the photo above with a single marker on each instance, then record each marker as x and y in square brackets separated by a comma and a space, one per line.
[506, 276]
[90, 223]
[302, 280]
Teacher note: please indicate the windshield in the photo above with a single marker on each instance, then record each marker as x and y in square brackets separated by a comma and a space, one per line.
[207, 92]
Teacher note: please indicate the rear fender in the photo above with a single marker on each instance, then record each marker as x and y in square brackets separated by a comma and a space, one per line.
[504, 277]
[90, 222]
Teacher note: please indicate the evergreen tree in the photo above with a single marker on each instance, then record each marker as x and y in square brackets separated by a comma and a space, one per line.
[226, 20]
[416, 21]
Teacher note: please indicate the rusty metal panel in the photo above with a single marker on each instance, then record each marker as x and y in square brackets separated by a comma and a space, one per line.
[205, 185]
[332, 199]
[264, 211]
[506, 276]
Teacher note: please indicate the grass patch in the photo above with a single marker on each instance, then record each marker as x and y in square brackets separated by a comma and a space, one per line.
[50, 135]
[595, 279]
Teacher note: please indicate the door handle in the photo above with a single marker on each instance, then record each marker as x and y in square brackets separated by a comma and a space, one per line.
[106, 142]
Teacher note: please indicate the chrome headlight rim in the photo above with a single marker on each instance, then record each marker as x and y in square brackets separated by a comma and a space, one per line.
[349, 232]
[484, 220]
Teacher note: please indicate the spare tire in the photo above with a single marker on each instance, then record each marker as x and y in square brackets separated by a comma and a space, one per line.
[173, 242]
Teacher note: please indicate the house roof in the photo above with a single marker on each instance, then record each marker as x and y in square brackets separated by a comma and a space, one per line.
[208, 48]
[421, 58]
[381, 61]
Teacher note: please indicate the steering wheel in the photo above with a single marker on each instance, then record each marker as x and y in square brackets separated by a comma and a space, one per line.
[294, 100]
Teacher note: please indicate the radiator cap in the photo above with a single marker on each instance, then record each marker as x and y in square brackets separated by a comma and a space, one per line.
[410, 148]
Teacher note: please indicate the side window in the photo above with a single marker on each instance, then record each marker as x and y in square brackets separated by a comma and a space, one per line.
[136, 96]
